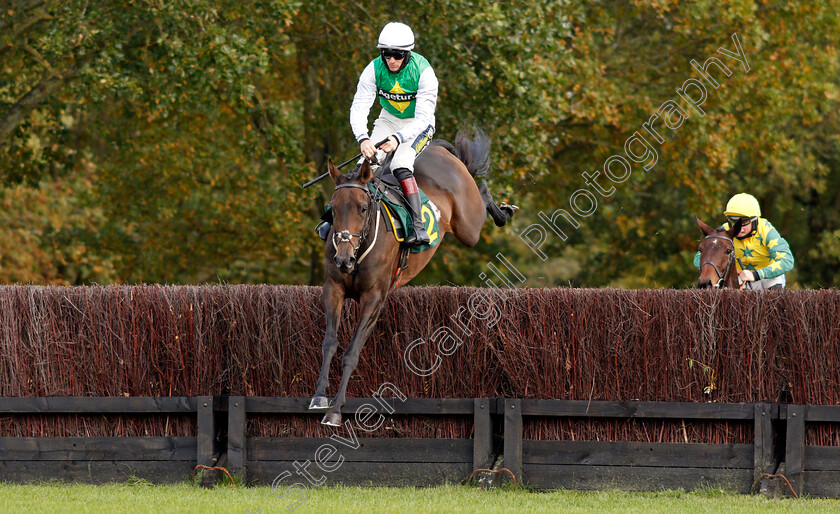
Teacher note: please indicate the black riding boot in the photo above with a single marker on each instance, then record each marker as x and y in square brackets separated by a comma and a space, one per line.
[412, 194]
[419, 237]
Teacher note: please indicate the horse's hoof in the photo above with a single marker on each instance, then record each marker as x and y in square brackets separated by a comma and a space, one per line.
[332, 419]
[319, 402]
[509, 207]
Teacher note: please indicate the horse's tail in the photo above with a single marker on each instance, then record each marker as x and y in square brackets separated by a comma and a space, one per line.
[474, 152]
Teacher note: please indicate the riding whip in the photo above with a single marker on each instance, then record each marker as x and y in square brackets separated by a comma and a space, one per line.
[343, 164]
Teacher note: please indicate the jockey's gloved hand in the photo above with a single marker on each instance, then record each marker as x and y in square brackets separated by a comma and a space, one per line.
[390, 145]
[367, 148]
[748, 276]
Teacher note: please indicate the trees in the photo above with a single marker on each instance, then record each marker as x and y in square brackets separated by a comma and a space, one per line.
[166, 141]
[170, 109]
[766, 131]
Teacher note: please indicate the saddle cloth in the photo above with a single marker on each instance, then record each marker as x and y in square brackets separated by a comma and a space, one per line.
[398, 217]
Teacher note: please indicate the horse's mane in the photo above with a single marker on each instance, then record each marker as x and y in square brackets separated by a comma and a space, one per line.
[353, 174]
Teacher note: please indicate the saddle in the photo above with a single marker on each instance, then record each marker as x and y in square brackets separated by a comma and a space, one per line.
[389, 186]
[394, 209]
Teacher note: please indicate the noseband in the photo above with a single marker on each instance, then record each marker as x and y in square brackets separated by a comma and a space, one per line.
[728, 264]
[345, 236]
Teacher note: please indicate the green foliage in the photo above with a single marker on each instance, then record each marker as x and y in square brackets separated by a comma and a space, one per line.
[147, 141]
[770, 131]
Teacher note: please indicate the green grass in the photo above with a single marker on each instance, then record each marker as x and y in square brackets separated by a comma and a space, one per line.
[139, 496]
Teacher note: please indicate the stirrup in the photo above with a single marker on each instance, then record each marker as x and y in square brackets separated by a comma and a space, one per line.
[416, 238]
[323, 230]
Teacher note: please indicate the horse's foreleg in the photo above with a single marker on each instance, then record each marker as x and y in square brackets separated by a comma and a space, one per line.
[333, 303]
[372, 303]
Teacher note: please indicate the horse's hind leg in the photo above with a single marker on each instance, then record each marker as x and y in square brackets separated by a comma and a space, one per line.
[502, 213]
[333, 298]
[371, 305]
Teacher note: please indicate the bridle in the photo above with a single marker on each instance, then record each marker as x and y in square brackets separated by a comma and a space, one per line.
[729, 264]
[345, 236]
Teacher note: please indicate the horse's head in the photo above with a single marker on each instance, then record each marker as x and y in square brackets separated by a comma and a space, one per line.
[352, 206]
[717, 255]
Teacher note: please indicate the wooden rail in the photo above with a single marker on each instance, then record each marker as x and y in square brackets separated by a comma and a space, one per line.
[355, 459]
[106, 459]
[637, 465]
[345, 455]
[811, 469]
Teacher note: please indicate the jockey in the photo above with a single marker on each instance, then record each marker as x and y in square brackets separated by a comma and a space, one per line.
[407, 88]
[763, 255]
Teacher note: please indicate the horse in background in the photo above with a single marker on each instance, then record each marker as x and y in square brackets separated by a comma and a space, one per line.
[717, 256]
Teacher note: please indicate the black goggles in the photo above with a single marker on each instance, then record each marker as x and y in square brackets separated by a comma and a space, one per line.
[390, 53]
[743, 219]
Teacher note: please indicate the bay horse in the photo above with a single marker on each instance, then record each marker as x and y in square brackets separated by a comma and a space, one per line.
[361, 258]
[717, 256]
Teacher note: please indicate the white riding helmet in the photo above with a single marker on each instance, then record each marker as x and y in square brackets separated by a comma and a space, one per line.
[397, 36]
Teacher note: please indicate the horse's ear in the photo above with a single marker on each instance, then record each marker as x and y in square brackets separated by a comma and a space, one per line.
[335, 173]
[703, 227]
[364, 172]
[734, 230]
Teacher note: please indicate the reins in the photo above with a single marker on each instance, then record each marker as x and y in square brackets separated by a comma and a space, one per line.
[729, 264]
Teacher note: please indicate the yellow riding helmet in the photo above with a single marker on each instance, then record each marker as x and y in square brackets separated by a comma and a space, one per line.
[742, 204]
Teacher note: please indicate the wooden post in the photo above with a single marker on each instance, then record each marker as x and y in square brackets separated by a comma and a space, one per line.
[236, 451]
[763, 461]
[513, 438]
[795, 447]
[205, 435]
[483, 437]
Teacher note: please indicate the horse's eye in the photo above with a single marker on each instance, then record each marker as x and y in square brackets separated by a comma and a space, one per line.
[728, 252]
[364, 208]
